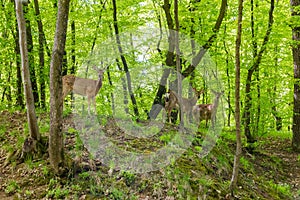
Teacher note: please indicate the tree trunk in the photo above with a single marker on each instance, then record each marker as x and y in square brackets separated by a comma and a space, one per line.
[251, 70]
[41, 55]
[228, 80]
[296, 57]
[238, 152]
[7, 87]
[169, 62]
[126, 70]
[19, 93]
[272, 92]
[31, 57]
[73, 51]
[178, 63]
[56, 144]
[31, 116]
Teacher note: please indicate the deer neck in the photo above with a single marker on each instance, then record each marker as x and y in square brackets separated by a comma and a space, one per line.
[216, 102]
[192, 101]
[98, 85]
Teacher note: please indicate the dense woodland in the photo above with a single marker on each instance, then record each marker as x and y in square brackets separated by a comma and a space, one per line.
[237, 62]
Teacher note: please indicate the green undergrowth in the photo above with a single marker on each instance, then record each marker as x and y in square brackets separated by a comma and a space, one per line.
[189, 177]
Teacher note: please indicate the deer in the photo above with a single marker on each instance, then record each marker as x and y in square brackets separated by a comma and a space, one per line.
[172, 102]
[189, 103]
[207, 111]
[83, 86]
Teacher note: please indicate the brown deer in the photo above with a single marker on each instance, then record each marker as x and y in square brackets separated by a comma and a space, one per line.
[188, 104]
[172, 102]
[207, 111]
[83, 86]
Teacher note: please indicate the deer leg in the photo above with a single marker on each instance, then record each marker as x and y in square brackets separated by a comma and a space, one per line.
[169, 116]
[89, 103]
[94, 102]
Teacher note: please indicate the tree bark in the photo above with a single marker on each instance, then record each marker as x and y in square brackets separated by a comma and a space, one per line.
[168, 62]
[73, 50]
[228, 81]
[272, 91]
[178, 63]
[56, 144]
[41, 55]
[238, 153]
[31, 115]
[296, 58]
[19, 93]
[31, 57]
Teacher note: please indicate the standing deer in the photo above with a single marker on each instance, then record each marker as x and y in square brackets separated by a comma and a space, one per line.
[83, 86]
[188, 104]
[207, 111]
[172, 102]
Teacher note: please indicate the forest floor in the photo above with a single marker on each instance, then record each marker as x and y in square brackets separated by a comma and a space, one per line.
[271, 172]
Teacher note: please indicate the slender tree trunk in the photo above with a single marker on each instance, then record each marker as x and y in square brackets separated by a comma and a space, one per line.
[257, 115]
[238, 153]
[168, 62]
[56, 144]
[178, 63]
[228, 80]
[7, 90]
[19, 94]
[65, 64]
[41, 55]
[128, 77]
[124, 87]
[275, 113]
[73, 51]
[273, 91]
[31, 57]
[111, 94]
[296, 57]
[31, 116]
[254, 47]
[251, 70]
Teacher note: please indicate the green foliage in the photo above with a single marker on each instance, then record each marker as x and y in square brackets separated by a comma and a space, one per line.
[129, 178]
[116, 194]
[166, 138]
[58, 193]
[12, 187]
[282, 189]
